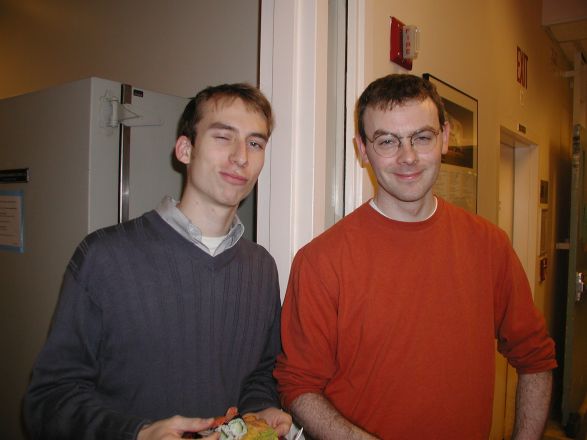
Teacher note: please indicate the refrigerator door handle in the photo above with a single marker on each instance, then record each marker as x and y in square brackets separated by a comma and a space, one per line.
[124, 160]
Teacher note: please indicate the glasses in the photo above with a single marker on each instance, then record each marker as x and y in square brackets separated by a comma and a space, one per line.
[389, 144]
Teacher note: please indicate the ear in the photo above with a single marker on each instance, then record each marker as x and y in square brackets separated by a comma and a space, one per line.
[445, 137]
[183, 149]
[362, 148]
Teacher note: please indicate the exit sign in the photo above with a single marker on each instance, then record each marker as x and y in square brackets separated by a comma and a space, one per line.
[522, 71]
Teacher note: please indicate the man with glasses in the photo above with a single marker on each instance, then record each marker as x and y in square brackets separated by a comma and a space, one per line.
[391, 316]
[173, 315]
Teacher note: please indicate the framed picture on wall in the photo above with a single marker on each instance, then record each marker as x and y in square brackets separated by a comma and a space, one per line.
[457, 180]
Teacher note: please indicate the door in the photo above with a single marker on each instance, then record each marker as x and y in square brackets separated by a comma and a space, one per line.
[518, 170]
[575, 349]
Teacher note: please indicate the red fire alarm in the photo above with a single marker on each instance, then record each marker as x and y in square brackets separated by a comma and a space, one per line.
[401, 51]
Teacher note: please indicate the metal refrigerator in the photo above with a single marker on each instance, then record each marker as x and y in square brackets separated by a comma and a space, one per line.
[81, 177]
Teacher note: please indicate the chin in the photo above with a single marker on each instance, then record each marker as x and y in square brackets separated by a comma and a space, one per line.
[406, 196]
[232, 202]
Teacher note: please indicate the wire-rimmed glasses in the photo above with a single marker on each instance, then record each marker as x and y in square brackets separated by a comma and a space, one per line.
[389, 144]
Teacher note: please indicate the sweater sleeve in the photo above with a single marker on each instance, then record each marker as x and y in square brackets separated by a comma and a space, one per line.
[61, 401]
[520, 328]
[260, 388]
[309, 334]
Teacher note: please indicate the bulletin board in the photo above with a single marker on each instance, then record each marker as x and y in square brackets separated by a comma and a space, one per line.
[11, 221]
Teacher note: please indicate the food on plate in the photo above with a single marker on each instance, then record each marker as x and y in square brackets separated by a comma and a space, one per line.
[258, 429]
[231, 413]
[232, 427]
[233, 430]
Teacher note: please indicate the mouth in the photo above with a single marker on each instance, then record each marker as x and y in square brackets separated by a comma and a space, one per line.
[408, 177]
[233, 178]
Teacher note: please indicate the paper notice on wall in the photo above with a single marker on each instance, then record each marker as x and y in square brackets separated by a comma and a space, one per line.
[11, 221]
[458, 185]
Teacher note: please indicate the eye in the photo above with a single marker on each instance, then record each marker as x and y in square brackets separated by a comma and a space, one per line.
[222, 138]
[256, 145]
[423, 138]
[387, 141]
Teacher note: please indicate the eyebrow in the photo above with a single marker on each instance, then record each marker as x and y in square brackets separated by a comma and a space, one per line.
[223, 126]
[380, 132]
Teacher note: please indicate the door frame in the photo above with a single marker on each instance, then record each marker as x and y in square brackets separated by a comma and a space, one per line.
[525, 239]
[293, 74]
[526, 196]
[579, 75]
[571, 402]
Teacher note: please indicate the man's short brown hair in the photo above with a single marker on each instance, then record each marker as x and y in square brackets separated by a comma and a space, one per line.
[252, 97]
[389, 91]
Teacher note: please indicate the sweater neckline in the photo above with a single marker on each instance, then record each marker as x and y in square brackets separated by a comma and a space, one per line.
[380, 211]
[187, 247]
[384, 221]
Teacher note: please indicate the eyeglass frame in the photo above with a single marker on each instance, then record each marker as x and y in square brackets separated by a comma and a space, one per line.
[400, 139]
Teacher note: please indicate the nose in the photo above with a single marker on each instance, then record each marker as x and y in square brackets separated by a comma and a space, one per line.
[406, 153]
[239, 154]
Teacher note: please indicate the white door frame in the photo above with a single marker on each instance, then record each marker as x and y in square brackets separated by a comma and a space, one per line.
[521, 192]
[293, 74]
[526, 196]
[358, 186]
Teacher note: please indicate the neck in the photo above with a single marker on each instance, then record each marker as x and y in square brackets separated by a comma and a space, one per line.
[416, 211]
[213, 221]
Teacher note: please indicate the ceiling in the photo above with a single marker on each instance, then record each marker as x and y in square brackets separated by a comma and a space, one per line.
[571, 37]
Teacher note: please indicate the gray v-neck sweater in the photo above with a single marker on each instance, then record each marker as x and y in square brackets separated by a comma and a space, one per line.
[149, 326]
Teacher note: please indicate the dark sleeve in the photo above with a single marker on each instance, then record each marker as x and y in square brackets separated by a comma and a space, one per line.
[260, 388]
[61, 401]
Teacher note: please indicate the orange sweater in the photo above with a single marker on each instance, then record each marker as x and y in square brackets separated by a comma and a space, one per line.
[395, 323]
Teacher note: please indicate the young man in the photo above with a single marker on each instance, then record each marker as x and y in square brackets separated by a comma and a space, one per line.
[173, 312]
[390, 317]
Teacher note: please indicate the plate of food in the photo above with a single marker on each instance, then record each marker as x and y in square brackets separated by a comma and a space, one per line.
[232, 426]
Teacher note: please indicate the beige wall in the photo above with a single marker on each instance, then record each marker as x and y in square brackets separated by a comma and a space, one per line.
[472, 46]
[175, 47]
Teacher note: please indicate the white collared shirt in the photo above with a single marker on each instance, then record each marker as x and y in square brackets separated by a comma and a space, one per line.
[173, 216]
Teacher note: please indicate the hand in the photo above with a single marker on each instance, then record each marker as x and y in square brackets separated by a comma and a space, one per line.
[174, 428]
[276, 418]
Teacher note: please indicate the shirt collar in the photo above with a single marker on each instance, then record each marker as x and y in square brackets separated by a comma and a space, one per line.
[376, 208]
[173, 216]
